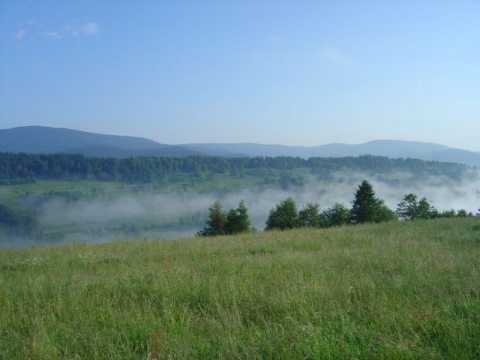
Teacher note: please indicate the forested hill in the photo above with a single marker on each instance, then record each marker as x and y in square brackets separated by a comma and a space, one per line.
[21, 168]
[47, 140]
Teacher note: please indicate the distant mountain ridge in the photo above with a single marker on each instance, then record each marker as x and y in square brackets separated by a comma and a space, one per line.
[40, 139]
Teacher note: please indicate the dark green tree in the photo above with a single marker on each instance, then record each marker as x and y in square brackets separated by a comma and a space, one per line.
[385, 214]
[411, 209]
[462, 213]
[447, 214]
[425, 210]
[216, 221]
[237, 220]
[407, 208]
[366, 206]
[310, 216]
[283, 216]
[337, 215]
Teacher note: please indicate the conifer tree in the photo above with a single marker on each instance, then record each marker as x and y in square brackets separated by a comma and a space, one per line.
[237, 220]
[366, 206]
[216, 221]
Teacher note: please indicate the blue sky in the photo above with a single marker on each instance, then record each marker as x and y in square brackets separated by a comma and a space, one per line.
[272, 72]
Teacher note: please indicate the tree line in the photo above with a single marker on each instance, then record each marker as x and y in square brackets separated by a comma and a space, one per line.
[366, 208]
[16, 168]
[219, 222]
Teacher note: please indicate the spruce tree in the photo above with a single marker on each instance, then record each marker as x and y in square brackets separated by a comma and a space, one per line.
[366, 206]
[237, 220]
[216, 221]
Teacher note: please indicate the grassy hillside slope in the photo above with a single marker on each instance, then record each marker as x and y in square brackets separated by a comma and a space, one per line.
[400, 290]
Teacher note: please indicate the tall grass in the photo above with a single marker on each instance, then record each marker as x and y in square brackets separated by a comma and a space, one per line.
[388, 291]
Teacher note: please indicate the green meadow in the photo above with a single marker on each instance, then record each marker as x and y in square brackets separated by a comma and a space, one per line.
[398, 290]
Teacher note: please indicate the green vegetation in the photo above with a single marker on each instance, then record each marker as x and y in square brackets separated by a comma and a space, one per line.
[284, 216]
[68, 197]
[337, 215]
[236, 221]
[396, 290]
[411, 209]
[366, 208]
[16, 224]
[20, 168]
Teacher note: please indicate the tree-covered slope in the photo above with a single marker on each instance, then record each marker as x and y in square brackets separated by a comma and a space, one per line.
[147, 169]
[38, 140]
[46, 140]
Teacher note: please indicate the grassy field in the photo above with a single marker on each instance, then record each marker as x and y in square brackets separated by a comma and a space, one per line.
[405, 290]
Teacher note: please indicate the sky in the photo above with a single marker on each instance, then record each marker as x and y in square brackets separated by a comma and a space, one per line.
[298, 72]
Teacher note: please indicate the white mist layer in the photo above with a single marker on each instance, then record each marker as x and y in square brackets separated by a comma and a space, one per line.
[443, 193]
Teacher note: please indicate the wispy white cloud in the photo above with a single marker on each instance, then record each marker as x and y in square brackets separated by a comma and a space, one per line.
[52, 35]
[77, 28]
[20, 34]
[90, 28]
[334, 55]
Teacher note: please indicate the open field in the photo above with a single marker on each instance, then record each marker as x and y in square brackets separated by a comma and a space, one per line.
[401, 290]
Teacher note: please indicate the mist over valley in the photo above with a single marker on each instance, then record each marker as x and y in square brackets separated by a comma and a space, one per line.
[173, 206]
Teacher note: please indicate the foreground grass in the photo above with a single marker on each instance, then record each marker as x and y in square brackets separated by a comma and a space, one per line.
[389, 291]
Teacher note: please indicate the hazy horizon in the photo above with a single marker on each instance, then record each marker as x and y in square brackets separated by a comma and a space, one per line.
[272, 72]
[238, 143]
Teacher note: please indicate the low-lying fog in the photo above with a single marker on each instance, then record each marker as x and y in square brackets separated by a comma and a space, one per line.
[161, 208]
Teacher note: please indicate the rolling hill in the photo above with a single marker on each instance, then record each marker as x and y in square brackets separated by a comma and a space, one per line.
[389, 148]
[40, 139]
